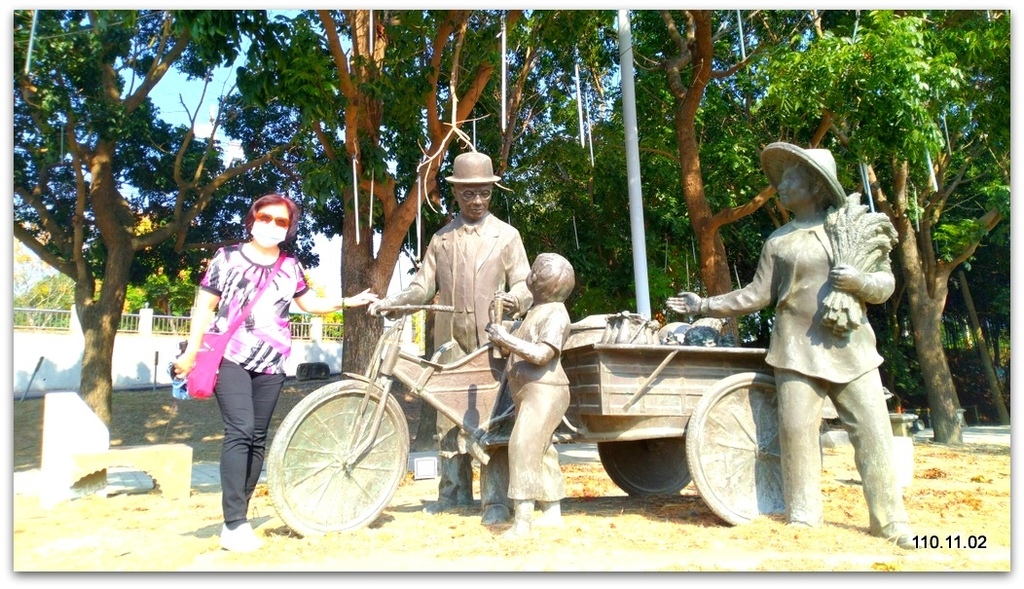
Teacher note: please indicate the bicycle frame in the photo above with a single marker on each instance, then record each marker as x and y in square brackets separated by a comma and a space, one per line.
[467, 391]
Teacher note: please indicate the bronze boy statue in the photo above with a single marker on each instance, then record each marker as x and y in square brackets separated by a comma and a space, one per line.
[540, 391]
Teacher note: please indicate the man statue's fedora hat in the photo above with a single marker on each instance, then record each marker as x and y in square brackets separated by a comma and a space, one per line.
[778, 156]
[473, 167]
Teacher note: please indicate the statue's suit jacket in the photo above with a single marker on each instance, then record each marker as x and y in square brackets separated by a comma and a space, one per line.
[500, 265]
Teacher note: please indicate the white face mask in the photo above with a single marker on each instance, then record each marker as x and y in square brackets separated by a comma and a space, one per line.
[267, 235]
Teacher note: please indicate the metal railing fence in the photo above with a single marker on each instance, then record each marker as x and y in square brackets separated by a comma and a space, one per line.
[61, 320]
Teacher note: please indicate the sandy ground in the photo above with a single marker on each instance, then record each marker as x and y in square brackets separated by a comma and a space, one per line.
[959, 500]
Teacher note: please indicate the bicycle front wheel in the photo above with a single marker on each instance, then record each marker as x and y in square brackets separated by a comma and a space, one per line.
[316, 483]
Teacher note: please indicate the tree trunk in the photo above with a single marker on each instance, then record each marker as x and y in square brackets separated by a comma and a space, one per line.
[360, 271]
[995, 392]
[100, 320]
[360, 267]
[925, 317]
[926, 285]
[96, 383]
[714, 268]
[100, 316]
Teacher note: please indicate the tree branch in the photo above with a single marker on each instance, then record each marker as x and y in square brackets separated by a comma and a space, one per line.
[731, 214]
[159, 67]
[988, 221]
[29, 240]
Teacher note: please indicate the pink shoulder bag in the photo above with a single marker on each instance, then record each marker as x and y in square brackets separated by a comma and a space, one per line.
[202, 379]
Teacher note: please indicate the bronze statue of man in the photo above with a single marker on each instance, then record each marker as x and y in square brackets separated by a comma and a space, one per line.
[796, 273]
[466, 262]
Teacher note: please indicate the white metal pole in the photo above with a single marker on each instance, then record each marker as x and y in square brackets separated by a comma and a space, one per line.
[355, 196]
[31, 41]
[865, 179]
[504, 75]
[636, 211]
[931, 170]
[590, 136]
[579, 104]
[739, 23]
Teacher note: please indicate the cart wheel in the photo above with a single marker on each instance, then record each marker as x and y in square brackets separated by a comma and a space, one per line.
[732, 447]
[655, 466]
[311, 485]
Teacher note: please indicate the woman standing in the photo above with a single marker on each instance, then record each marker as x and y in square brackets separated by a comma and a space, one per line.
[252, 371]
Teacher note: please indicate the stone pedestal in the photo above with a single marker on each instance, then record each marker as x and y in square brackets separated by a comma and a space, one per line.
[901, 423]
[903, 447]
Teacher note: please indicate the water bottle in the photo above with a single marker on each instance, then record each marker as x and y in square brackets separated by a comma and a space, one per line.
[179, 386]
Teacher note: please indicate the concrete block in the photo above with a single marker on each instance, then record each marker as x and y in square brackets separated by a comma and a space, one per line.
[69, 427]
[169, 465]
[77, 453]
[835, 438]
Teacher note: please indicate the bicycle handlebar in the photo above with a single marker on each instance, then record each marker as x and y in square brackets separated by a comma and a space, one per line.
[413, 308]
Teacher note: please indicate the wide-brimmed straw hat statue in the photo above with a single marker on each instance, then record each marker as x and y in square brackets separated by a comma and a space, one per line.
[778, 156]
[473, 167]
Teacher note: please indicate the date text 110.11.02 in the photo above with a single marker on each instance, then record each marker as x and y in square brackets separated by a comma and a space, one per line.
[955, 542]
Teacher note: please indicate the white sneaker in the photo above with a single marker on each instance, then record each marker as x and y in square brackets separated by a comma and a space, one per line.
[241, 539]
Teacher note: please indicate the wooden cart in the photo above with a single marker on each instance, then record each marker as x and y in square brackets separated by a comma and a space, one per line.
[660, 415]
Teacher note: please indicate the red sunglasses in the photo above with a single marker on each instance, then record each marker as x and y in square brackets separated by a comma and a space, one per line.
[268, 218]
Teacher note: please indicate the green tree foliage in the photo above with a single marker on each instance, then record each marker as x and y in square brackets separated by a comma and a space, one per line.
[167, 295]
[357, 114]
[383, 102]
[105, 192]
[922, 98]
[53, 291]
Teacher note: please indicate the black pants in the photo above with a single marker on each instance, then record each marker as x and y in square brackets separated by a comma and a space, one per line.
[247, 401]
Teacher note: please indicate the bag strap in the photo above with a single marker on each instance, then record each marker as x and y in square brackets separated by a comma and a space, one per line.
[248, 308]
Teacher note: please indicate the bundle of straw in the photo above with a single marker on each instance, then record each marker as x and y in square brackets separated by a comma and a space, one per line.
[859, 239]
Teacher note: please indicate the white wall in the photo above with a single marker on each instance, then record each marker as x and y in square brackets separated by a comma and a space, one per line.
[140, 361]
[133, 363]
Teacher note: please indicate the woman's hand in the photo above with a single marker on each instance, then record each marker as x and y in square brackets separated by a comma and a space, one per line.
[311, 302]
[361, 300]
[184, 364]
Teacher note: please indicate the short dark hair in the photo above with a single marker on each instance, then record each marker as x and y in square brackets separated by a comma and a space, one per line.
[554, 276]
[274, 199]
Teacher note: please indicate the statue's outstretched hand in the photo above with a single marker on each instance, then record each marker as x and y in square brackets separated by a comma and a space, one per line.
[846, 279]
[687, 303]
[375, 308]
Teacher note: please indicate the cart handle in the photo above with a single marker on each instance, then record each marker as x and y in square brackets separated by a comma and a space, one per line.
[643, 386]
